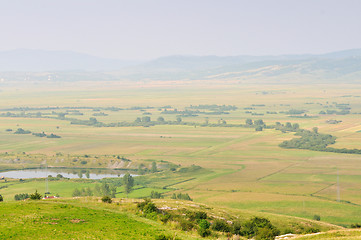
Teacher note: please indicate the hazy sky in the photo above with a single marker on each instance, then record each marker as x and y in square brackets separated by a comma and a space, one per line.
[144, 29]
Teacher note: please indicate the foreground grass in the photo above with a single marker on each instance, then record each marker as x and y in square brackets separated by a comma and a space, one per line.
[72, 219]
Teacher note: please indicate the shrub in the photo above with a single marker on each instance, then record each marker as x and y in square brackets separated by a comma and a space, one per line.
[1, 198]
[197, 215]
[165, 218]
[156, 195]
[259, 226]
[147, 207]
[106, 199]
[186, 225]
[165, 237]
[236, 228]
[265, 234]
[204, 232]
[312, 230]
[221, 226]
[317, 217]
[21, 196]
[203, 223]
[356, 225]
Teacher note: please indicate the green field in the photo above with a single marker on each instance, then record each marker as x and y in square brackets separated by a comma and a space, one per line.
[242, 168]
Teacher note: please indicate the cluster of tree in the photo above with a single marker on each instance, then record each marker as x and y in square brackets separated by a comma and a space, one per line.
[312, 140]
[91, 122]
[309, 140]
[77, 113]
[342, 112]
[42, 134]
[355, 225]
[100, 114]
[342, 150]
[142, 169]
[190, 169]
[302, 116]
[22, 115]
[343, 106]
[22, 131]
[332, 121]
[21, 196]
[99, 190]
[295, 111]
[82, 192]
[287, 127]
[156, 195]
[192, 113]
[257, 124]
[214, 107]
[182, 196]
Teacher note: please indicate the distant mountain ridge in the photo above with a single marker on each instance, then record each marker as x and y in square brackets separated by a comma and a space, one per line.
[338, 66]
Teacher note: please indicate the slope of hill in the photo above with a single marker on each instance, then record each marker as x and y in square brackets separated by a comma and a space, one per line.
[89, 218]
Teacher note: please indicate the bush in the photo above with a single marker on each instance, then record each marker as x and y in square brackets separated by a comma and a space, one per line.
[106, 199]
[182, 196]
[165, 237]
[147, 207]
[221, 226]
[197, 215]
[21, 196]
[312, 230]
[317, 217]
[186, 225]
[1, 198]
[165, 218]
[259, 227]
[356, 225]
[236, 228]
[155, 195]
[204, 232]
[265, 234]
[203, 223]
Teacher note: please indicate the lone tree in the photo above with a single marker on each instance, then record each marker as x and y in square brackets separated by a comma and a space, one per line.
[154, 167]
[249, 121]
[35, 196]
[128, 182]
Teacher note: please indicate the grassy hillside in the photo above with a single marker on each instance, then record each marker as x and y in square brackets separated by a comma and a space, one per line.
[74, 219]
[89, 218]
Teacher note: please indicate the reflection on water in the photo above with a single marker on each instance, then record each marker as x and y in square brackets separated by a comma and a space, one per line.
[67, 173]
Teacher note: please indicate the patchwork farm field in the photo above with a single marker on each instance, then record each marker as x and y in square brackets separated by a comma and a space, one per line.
[240, 168]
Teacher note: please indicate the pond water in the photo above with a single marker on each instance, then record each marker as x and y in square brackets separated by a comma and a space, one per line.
[67, 173]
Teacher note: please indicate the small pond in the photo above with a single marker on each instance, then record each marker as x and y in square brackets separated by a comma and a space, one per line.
[65, 172]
